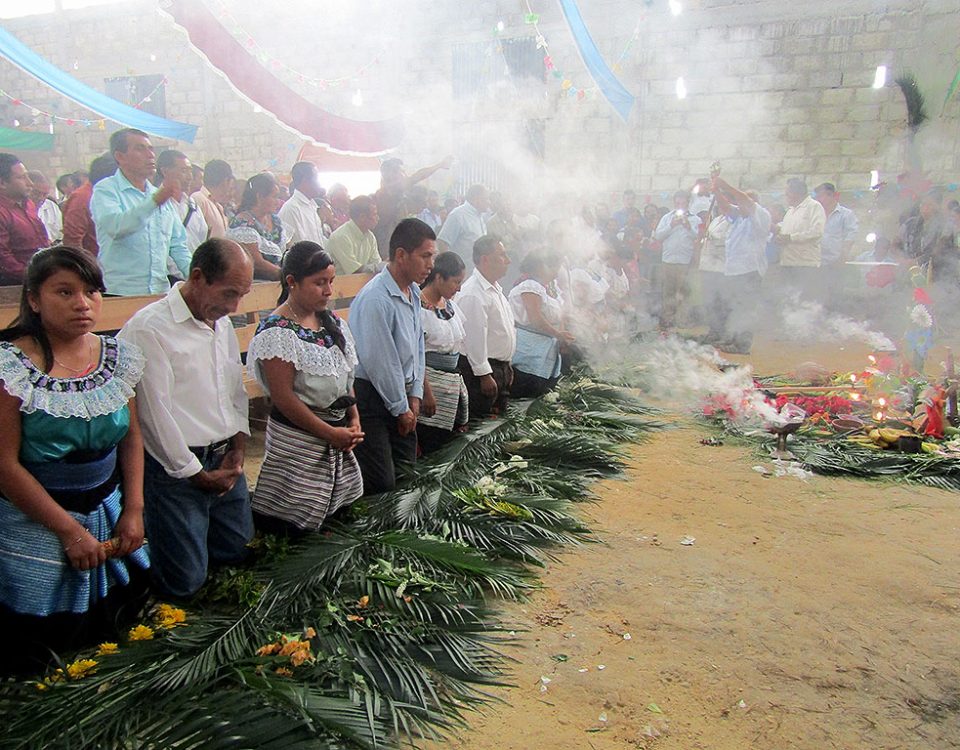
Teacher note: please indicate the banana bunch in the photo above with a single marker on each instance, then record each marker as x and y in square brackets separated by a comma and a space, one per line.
[883, 438]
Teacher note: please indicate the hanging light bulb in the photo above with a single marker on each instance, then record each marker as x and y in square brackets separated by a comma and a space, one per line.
[874, 179]
[675, 7]
[501, 25]
[357, 99]
[880, 77]
[872, 237]
[681, 88]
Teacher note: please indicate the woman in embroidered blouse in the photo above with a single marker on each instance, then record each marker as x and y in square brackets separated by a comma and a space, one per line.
[71, 465]
[538, 312]
[257, 227]
[445, 405]
[304, 357]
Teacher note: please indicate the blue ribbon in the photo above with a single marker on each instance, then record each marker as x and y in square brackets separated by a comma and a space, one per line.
[614, 91]
[30, 62]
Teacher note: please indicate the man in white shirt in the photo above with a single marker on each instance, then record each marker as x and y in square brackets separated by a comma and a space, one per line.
[489, 324]
[299, 214]
[465, 225]
[173, 164]
[353, 246]
[193, 412]
[799, 237]
[47, 209]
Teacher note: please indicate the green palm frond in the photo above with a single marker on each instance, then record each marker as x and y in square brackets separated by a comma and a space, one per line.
[397, 597]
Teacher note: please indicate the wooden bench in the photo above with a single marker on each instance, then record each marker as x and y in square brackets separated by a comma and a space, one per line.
[116, 311]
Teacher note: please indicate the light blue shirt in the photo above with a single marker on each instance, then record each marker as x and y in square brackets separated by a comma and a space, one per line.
[388, 333]
[136, 236]
[678, 241]
[464, 226]
[841, 228]
[746, 250]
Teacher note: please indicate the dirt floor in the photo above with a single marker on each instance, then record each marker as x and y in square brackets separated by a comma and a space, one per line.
[806, 614]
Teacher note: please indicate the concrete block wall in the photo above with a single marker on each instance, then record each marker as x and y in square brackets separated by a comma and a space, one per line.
[776, 87]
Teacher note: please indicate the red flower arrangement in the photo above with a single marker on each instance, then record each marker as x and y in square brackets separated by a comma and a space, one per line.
[829, 405]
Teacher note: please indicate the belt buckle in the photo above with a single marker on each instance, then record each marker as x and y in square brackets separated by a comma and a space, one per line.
[219, 450]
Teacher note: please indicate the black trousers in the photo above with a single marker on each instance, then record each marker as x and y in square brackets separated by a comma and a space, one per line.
[383, 447]
[481, 406]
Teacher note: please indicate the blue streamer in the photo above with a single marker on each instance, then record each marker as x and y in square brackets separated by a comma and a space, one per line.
[614, 91]
[30, 62]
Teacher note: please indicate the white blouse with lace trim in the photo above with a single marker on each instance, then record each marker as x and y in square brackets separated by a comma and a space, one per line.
[323, 374]
[104, 390]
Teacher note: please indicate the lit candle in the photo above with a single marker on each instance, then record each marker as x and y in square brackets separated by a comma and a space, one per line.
[853, 377]
[854, 396]
[882, 401]
[879, 416]
[872, 359]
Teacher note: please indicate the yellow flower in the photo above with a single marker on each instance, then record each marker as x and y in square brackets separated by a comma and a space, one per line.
[140, 633]
[81, 668]
[105, 649]
[291, 646]
[167, 616]
[269, 650]
[284, 672]
[309, 633]
[301, 655]
[42, 685]
[363, 601]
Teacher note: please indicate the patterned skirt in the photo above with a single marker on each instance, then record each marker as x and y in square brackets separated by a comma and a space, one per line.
[450, 393]
[35, 576]
[304, 479]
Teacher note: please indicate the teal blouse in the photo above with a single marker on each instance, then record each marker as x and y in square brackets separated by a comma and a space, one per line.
[63, 415]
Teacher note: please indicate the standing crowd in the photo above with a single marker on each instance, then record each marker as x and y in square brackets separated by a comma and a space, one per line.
[116, 439]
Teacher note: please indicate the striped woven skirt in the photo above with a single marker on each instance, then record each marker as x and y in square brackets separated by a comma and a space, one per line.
[452, 400]
[304, 479]
[35, 576]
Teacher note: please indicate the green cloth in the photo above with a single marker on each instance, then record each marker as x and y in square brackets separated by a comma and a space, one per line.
[13, 139]
[48, 438]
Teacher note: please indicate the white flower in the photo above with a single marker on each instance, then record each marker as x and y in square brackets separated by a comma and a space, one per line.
[921, 317]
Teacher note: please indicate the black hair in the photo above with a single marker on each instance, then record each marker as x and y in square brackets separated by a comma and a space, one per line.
[42, 266]
[64, 181]
[474, 192]
[167, 159]
[798, 186]
[301, 171]
[118, 139]
[303, 259]
[484, 246]
[534, 263]
[211, 258]
[216, 172]
[826, 187]
[360, 206]
[409, 235]
[103, 166]
[258, 186]
[446, 266]
[7, 163]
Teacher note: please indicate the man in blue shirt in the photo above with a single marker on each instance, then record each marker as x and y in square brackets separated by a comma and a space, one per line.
[745, 263]
[388, 331]
[138, 225]
[678, 231]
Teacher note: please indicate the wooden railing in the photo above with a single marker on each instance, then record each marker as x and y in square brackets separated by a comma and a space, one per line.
[116, 311]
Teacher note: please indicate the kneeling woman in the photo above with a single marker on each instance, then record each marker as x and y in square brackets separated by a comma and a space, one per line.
[303, 356]
[445, 402]
[541, 337]
[71, 465]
